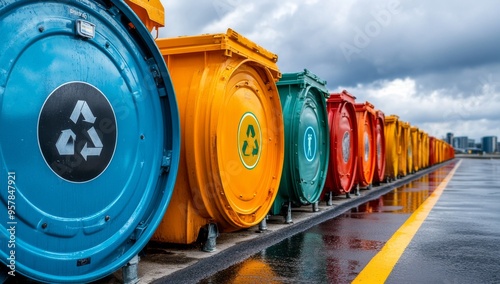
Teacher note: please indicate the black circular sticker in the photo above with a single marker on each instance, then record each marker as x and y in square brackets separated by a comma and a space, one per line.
[77, 132]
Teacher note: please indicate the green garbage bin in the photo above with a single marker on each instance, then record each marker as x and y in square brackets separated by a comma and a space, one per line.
[307, 145]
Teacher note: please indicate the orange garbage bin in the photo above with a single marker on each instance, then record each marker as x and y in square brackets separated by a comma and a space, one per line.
[367, 154]
[232, 136]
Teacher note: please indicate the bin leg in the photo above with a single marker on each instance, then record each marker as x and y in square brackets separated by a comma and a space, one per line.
[130, 271]
[315, 206]
[348, 195]
[357, 191]
[210, 242]
[263, 225]
[329, 202]
[370, 187]
[288, 213]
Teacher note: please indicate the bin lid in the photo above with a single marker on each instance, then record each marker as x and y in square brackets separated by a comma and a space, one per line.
[391, 119]
[91, 148]
[232, 43]
[151, 12]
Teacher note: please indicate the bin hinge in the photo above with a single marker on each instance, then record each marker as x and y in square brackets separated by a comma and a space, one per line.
[166, 161]
[113, 10]
[155, 71]
[139, 230]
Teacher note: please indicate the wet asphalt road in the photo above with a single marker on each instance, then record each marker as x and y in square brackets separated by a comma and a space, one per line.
[459, 242]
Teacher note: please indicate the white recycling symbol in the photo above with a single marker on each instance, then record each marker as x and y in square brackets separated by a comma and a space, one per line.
[66, 142]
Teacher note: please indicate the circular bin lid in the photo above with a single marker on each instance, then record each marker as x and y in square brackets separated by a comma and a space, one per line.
[380, 138]
[90, 142]
[311, 137]
[249, 152]
[367, 144]
[343, 141]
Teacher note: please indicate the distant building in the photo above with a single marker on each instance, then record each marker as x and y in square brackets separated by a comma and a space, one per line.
[461, 142]
[490, 144]
[449, 138]
[471, 143]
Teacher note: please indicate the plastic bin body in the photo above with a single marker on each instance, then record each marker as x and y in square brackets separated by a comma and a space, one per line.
[425, 150]
[421, 147]
[416, 148]
[232, 132]
[439, 150]
[404, 149]
[367, 143]
[342, 165]
[432, 151]
[93, 140]
[380, 164]
[307, 144]
[392, 133]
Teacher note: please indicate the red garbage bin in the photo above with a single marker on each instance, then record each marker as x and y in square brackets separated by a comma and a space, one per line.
[379, 175]
[343, 145]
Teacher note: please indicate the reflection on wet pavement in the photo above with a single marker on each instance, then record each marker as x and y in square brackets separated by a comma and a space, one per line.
[337, 250]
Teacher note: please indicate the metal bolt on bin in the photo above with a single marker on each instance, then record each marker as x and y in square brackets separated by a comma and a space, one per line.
[380, 165]
[93, 140]
[307, 144]
[232, 133]
[367, 154]
[343, 160]
[392, 133]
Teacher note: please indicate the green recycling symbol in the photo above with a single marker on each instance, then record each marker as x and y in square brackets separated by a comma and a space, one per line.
[250, 134]
[249, 140]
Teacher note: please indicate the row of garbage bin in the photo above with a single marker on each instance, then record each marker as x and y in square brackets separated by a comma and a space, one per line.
[130, 139]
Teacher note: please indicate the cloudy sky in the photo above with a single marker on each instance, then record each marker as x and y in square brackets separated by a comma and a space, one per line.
[435, 64]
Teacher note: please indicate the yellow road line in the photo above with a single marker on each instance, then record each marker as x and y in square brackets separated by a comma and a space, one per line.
[380, 266]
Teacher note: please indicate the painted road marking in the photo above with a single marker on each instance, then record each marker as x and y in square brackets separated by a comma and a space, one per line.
[380, 267]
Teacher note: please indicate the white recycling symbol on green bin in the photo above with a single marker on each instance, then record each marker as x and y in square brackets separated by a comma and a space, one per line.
[66, 142]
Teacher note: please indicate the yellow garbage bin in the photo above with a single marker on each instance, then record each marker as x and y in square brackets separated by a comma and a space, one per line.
[392, 133]
[404, 149]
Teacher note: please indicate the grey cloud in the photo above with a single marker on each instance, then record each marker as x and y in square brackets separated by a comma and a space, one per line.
[445, 47]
